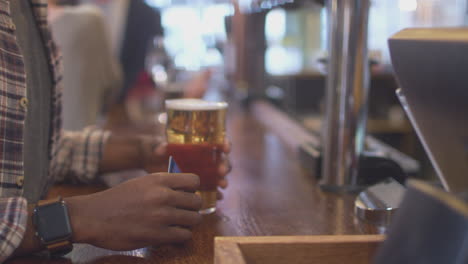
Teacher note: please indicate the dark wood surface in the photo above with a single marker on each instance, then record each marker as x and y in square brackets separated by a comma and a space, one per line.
[269, 194]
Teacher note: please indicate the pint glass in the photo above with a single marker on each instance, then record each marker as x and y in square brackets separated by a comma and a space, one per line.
[195, 133]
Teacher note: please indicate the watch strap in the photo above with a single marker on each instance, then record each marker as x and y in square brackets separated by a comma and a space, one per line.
[60, 248]
[50, 201]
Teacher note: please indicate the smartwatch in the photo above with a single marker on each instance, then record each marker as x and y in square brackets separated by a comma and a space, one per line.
[53, 228]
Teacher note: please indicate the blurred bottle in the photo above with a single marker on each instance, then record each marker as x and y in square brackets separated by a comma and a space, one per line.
[144, 101]
[159, 63]
[162, 70]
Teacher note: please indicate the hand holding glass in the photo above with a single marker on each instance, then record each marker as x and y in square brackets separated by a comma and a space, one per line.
[195, 133]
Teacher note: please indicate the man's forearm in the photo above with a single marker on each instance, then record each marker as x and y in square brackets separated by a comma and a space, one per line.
[121, 153]
[133, 152]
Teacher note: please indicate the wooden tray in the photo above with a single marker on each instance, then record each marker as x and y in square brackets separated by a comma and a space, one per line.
[339, 249]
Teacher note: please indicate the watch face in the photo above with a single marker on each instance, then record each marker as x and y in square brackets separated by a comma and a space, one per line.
[52, 222]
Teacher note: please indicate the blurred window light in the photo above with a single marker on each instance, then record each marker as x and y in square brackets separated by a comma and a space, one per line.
[265, 5]
[158, 3]
[275, 25]
[212, 58]
[408, 5]
[245, 4]
[192, 31]
[213, 19]
[389, 16]
[281, 60]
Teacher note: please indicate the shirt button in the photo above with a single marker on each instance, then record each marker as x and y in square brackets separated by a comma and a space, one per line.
[24, 103]
[20, 181]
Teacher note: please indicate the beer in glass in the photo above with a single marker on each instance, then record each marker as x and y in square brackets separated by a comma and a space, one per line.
[195, 133]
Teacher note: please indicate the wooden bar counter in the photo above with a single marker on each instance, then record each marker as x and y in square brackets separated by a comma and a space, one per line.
[268, 194]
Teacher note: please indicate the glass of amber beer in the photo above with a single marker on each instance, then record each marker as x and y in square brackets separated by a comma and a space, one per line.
[195, 133]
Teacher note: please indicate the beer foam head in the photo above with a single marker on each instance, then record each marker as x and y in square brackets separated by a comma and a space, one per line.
[194, 105]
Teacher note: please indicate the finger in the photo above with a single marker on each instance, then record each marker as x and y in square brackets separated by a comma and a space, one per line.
[227, 146]
[180, 181]
[219, 195]
[224, 169]
[161, 149]
[183, 218]
[223, 183]
[185, 200]
[174, 234]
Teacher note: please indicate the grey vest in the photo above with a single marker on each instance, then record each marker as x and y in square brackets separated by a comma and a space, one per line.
[39, 87]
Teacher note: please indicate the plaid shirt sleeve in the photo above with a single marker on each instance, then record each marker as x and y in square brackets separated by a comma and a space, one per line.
[78, 155]
[13, 217]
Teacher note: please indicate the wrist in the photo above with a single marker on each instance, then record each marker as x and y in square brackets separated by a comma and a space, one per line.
[82, 229]
[30, 242]
[121, 153]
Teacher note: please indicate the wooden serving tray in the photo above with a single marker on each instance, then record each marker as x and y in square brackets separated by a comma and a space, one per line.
[339, 249]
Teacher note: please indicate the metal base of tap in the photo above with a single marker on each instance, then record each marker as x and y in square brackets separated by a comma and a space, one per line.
[378, 204]
[373, 169]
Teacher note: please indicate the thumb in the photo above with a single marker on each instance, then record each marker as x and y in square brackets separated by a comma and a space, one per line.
[161, 150]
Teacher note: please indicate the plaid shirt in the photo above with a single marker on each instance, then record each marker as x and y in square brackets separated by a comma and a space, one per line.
[71, 154]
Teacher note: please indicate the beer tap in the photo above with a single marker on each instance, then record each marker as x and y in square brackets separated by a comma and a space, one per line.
[347, 90]
[344, 129]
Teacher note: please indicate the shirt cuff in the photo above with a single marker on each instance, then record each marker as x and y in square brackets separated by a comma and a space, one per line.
[94, 142]
[14, 218]
[88, 153]
[79, 154]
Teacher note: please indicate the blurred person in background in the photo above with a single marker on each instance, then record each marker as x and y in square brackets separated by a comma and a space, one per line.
[155, 209]
[133, 25]
[91, 75]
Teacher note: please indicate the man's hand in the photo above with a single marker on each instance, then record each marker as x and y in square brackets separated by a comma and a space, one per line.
[155, 150]
[149, 153]
[225, 168]
[151, 210]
